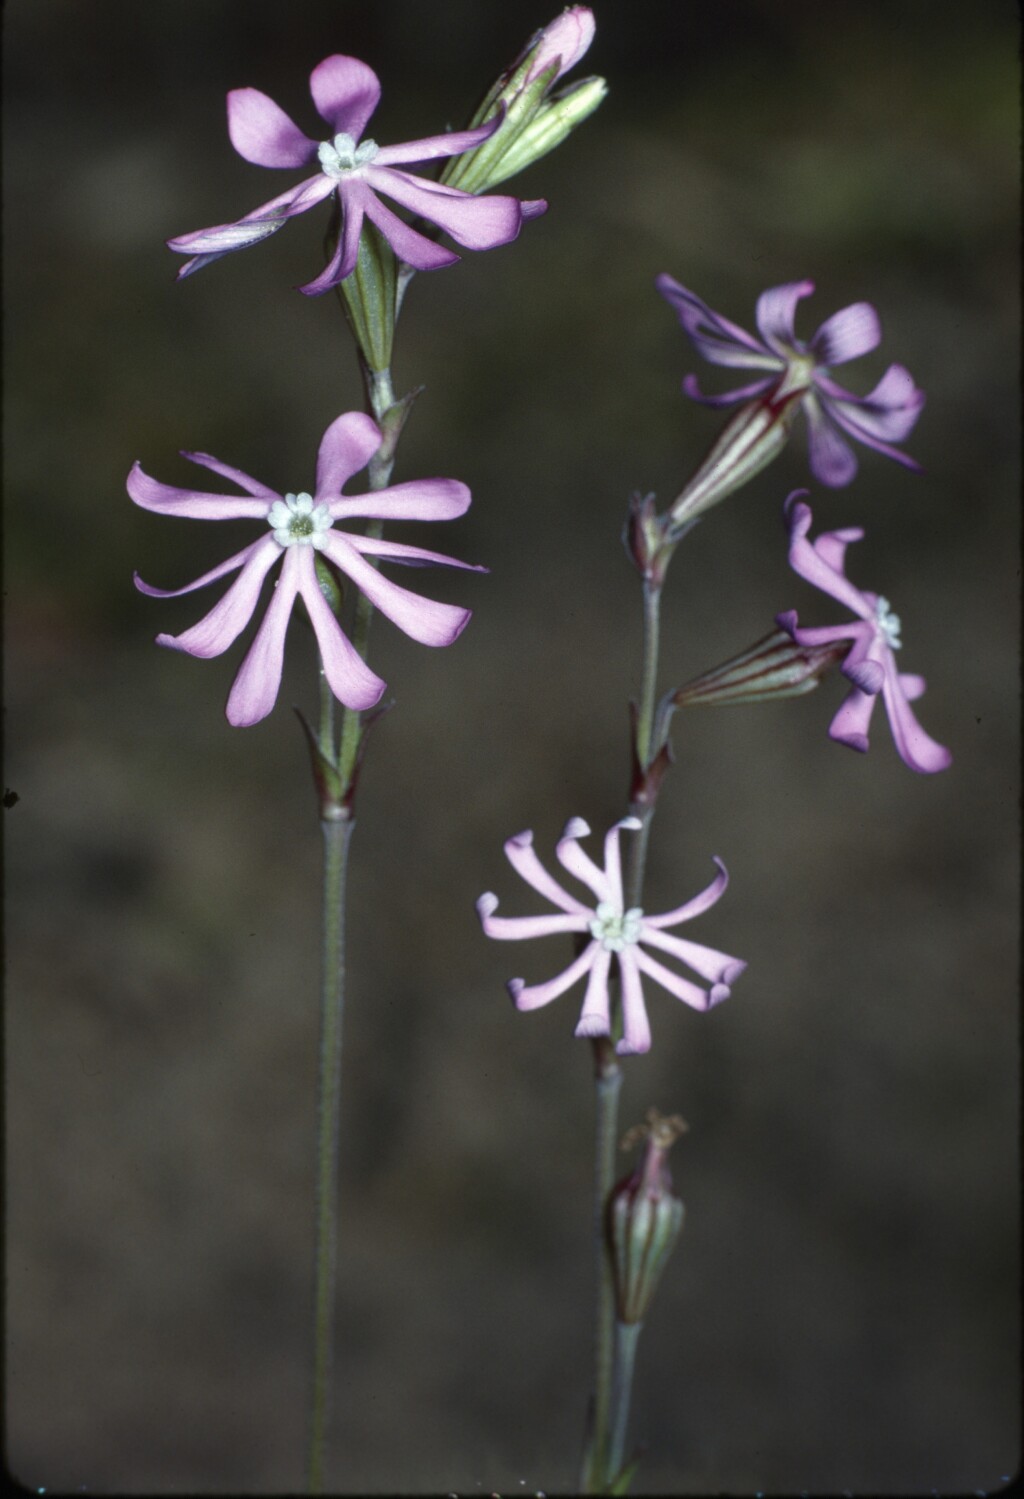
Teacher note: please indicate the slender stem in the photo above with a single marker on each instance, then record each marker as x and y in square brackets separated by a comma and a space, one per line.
[649, 679]
[627, 1335]
[607, 1087]
[337, 834]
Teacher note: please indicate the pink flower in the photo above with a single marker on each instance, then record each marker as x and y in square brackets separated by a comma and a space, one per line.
[300, 526]
[874, 638]
[616, 934]
[346, 92]
[794, 369]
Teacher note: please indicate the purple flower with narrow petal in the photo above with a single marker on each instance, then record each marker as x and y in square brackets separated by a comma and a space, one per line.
[789, 368]
[300, 526]
[346, 92]
[874, 638]
[616, 935]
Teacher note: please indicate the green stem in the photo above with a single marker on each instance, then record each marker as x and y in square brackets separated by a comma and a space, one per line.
[337, 834]
[627, 1335]
[607, 1087]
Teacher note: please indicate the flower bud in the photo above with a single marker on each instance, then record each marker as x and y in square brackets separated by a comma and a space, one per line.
[776, 666]
[369, 297]
[534, 121]
[644, 1217]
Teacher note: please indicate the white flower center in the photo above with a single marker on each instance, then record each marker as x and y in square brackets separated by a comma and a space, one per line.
[342, 155]
[888, 623]
[298, 521]
[615, 929]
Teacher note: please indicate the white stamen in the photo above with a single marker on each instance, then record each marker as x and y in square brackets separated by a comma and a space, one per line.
[342, 155]
[298, 521]
[888, 623]
[614, 929]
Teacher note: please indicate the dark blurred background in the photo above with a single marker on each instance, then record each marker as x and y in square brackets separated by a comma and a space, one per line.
[842, 1313]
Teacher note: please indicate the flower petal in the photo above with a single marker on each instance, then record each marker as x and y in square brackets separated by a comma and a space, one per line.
[408, 244]
[713, 336]
[717, 967]
[700, 903]
[348, 676]
[810, 564]
[254, 690]
[425, 620]
[851, 723]
[169, 499]
[595, 1017]
[691, 388]
[833, 461]
[518, 928]
[522, 856]
[884, 416]
[847, 334]
[345, 92]
[613, 857]
[776, 312]
[451, 143]
[409, 556]
[478, 223]
[579, 863]
[230, 615]
[220, 571]
[262, 132]
[532, 996]
[682, 988]
[916, 748]
[346, 252]
[345, 448]
[416, 499]
[636, 1029]
[236, 475]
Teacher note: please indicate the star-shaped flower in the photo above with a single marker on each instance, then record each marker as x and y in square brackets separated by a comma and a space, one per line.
[874, 637]
[616, 935]
[346, 93]
[301, 525]
[791, 369]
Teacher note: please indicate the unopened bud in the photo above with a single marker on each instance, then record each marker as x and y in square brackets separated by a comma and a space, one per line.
[534, 121]
[776, 666]
[644, 1217]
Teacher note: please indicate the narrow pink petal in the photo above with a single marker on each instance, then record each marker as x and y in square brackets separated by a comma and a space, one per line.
[636, 1029]
[226, 471]
[776, 313]
[595, 1017]
[345, 448]
[579, 863]
[220, 571]
[254, 690]
[522, 856]
[408, 244]
[847, 334]
[262, 132]
[519, 928]
[833, 461]
[342, 263]
[259, 223]
[348, 676]
[409, 556]
[831, 546]
[868, 659]
[451, 143]
[422, 619]
[912, 685]
[851, 723]
[689, 993]
[715, 338]
[886, 414]
[416, 499]
[169, 499]
[345, 92]
[818, 634]
[532, 996]
[695, 907]
[533, 208]
[805, 560]
[478, 223]
[717, 967]
[916, 748]
[691, 388]
[613, 857]
[229, 617]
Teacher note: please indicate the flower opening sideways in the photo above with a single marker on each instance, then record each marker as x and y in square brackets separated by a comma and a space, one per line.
[788, 370]
[874, 639]
[617, 936]
[300, 526]
[346, 92]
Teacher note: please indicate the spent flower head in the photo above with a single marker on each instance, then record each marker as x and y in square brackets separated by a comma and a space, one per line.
[302, 527]
[617, 936]
[357, 170]
[533, 119]
[873, 636]
[791, 375]
[644, 1216]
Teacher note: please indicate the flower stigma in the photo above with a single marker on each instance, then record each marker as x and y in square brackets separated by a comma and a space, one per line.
[614, 929]
[342, 155]
[297, 521]
[888, 623]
